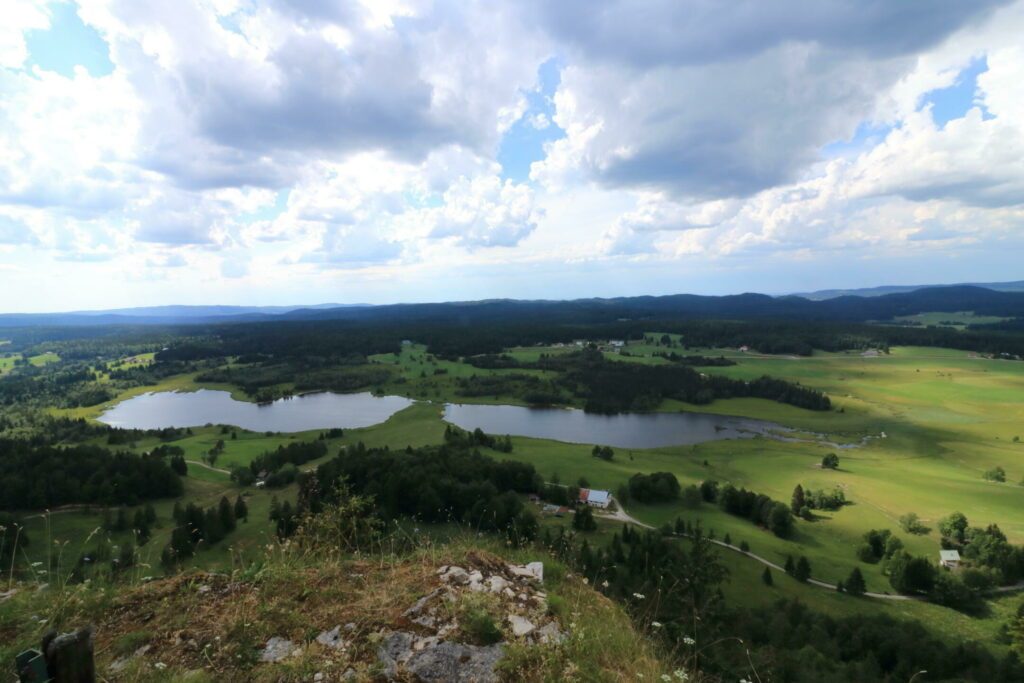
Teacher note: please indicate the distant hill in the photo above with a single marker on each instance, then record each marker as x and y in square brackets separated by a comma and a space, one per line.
[846, 308]
[159, 315]
[822, 294]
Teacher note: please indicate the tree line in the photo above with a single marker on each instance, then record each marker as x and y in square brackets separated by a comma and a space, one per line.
[45, 476]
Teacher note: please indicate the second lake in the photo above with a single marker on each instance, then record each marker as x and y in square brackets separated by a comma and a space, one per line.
[627, 430]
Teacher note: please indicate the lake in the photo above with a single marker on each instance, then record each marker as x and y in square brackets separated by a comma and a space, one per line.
[322, 410]
[627, 430]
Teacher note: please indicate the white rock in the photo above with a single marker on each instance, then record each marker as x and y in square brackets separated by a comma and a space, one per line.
[521, 626]
[331, 638]
[497, 584]
[277, 649]
[456, 575]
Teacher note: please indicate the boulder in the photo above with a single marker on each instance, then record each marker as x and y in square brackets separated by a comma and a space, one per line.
[432, 660]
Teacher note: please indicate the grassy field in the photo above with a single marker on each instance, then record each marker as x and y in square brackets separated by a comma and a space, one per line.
[936, 418]
[8, 360]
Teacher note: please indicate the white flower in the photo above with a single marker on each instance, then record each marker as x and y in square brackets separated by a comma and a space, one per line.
[689, 641]
[159, 666]
[681, 675]
[666, 678]
[605, 583]
[656, 624]
[638, 596]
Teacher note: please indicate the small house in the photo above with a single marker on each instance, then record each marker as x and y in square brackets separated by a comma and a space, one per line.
[950, 559]
[595, 498]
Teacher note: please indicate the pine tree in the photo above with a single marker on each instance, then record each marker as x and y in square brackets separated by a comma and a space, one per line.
[798, 501]
[150, 513]
[803, 569]
[241, 509]
[789, 565]
[766, 576]
[227, 514]
[855, 583]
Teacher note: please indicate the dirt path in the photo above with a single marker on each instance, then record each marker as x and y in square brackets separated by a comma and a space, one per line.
[209, 467]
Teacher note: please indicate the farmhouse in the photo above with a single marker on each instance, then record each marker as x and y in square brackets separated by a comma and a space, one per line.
[950, 559]
[595, 498]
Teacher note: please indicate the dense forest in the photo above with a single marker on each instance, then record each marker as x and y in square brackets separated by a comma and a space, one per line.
[36, 477]
[448, 483]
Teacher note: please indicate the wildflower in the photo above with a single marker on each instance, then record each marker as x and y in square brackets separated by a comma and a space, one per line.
[689, 641]
[666, 678]
[638, 596]
[681, 675]
[585, 581]
[159, 666]
[605, 583]
[656, 624]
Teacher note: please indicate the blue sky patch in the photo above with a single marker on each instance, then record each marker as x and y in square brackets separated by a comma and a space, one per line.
[268, 213]
[955, 101]
[68, 43]
[523, 143]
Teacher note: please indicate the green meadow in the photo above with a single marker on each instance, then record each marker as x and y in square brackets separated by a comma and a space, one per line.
[924, 424]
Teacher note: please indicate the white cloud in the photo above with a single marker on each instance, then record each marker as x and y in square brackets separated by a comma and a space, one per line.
[691, 132]
[20, 16]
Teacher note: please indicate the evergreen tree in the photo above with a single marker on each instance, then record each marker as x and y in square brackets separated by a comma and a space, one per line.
[766, 577]
[583, 519]
[798, 501]
[227, 514]
[241, 509]
[150, 514]
[803, 569]
[213, 528]
[854, 584]
[789, 565]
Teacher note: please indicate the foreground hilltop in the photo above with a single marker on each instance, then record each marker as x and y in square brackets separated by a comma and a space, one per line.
[449, 613]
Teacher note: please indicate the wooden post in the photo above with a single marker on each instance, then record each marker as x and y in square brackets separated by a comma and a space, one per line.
[69, 656]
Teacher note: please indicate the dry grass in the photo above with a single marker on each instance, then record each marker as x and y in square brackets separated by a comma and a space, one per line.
[203, 626]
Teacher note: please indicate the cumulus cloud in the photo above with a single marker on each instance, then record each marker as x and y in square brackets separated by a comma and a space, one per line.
[298, 139]
[708, 102]
[20, 16]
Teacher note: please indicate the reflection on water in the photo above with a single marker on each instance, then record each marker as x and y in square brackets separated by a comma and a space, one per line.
[627, 430]
[297, 414]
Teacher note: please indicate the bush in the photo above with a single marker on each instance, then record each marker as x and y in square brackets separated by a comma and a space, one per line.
[996, 474]
[912, 524]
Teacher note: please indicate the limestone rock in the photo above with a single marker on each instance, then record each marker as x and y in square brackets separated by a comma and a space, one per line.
[277, 649]
[331, 638]
[521, 626]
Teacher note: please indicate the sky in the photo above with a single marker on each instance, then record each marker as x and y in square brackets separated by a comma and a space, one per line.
[304, 151]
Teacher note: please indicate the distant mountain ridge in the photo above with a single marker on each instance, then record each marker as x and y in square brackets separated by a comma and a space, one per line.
[822, 294]
[748, 306]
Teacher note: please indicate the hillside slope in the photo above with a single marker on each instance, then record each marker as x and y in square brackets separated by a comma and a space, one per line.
[455, 612]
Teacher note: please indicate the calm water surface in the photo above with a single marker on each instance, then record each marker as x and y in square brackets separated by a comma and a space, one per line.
[298, 414]
[628, 430]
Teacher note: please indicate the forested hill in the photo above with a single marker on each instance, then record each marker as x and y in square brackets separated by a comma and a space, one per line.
[586, 311]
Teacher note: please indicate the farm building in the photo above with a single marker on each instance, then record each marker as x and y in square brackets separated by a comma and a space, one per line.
[595, 498]
[950, 559]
